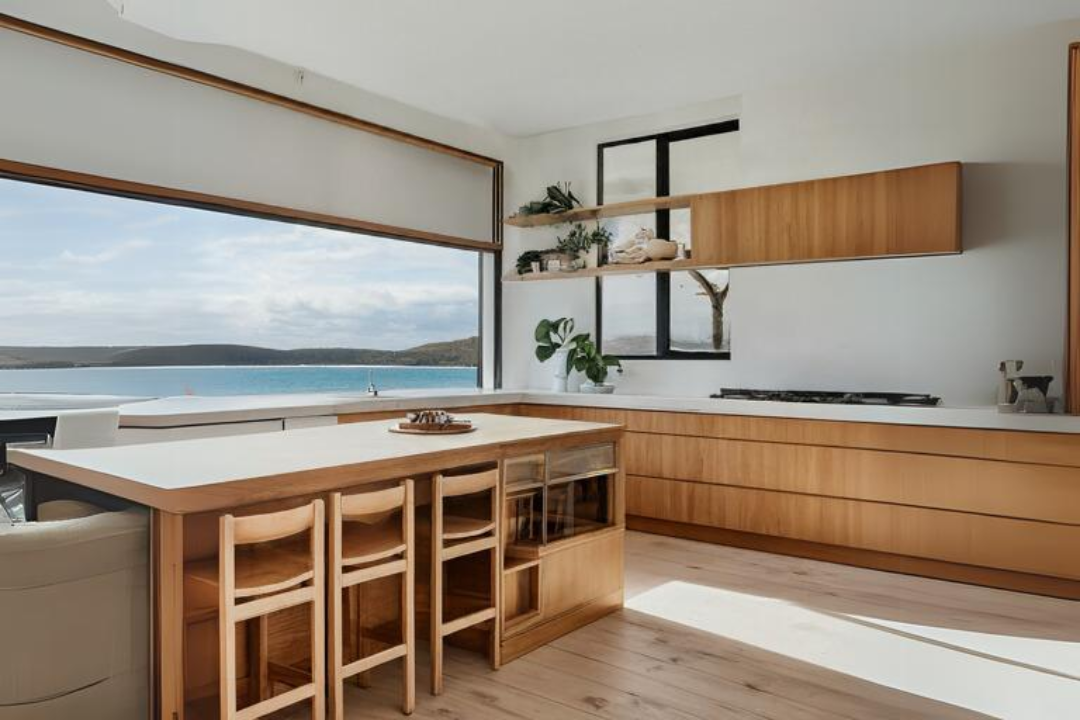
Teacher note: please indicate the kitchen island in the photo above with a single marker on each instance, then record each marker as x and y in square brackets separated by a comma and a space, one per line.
[564, 576]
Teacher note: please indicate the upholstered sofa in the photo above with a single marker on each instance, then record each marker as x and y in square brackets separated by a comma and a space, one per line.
[74, 615]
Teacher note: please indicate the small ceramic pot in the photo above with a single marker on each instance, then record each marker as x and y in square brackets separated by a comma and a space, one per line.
[591, 388]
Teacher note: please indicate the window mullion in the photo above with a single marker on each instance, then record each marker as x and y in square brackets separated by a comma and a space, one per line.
[663, 230]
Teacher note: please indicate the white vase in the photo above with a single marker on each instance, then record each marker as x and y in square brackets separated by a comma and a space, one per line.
[591, 257]
[559, 381]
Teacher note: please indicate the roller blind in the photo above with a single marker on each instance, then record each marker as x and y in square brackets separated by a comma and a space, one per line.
[70, 109]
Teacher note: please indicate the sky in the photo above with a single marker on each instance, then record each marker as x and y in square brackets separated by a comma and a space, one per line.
[79, 268]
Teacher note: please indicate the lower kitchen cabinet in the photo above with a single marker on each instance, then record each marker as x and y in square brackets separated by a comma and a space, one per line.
[992, 507]
[958, 537]
[563, 530]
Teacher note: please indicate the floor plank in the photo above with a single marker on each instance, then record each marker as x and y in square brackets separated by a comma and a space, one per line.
[715, 632]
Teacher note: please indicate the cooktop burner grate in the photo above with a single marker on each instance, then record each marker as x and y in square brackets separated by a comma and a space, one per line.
[830, 397]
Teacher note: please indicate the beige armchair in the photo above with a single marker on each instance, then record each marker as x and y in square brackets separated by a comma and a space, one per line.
[74, 615]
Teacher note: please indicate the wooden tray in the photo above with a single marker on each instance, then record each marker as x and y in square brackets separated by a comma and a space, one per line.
[407, 428]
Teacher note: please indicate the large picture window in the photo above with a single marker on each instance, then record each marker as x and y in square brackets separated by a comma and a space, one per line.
[104, 294]
[676, 315]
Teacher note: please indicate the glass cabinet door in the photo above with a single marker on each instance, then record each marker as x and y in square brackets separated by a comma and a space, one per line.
[523, 506]
[578, 506]
[556, 495]
[579, 491]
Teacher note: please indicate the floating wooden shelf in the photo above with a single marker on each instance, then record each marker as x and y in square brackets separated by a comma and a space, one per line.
[639, 269]
[631, 207]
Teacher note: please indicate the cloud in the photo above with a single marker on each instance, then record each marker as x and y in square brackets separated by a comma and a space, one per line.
[197, 277]
[152, 223]
[104, 256]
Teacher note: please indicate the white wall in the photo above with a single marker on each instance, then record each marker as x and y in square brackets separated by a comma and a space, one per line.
[936, 325]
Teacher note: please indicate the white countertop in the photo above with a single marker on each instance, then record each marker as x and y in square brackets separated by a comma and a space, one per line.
[183, 411]
[194, 475]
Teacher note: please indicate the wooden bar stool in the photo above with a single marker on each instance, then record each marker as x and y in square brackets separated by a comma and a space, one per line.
[461, 531]
[369, 547]
[258, 574]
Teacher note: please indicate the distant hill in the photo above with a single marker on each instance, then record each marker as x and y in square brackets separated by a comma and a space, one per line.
[20, 356]
[454, 352]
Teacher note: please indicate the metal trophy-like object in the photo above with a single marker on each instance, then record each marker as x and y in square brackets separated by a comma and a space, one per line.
[1022, 393]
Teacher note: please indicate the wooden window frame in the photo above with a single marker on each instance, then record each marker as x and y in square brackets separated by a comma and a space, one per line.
[96, 183]
[136, 191]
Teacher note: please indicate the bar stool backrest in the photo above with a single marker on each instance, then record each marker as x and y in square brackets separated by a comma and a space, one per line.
[273, 526]
[372, 507]
[472, 483]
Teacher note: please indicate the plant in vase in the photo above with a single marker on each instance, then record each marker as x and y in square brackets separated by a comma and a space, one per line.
[554, 339]
[558, 198]
[584, 244]
[586, 357]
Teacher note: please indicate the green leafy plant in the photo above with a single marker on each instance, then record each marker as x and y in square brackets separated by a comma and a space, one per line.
[586, 357]
[554, 335]
[557, 199]
[527, 258]
[602, 235]
[580, 240]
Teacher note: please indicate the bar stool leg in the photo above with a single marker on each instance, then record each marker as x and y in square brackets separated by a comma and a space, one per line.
[436, 588]
[408, 605]
[337, 702]
[496, 581]
[226, 625]
[318, 617]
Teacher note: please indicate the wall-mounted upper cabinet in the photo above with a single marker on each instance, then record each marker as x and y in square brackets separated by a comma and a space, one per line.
[913, 211]
[891, 213]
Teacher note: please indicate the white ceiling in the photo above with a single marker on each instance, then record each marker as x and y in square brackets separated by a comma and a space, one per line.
[529, 66]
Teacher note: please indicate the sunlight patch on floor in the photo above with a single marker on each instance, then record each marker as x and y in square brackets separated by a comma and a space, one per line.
[1054, 656]
[872, 650]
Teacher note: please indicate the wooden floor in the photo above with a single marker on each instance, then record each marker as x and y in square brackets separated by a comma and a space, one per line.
[713, 632]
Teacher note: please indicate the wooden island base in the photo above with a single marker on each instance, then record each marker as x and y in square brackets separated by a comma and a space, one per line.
[560, 558]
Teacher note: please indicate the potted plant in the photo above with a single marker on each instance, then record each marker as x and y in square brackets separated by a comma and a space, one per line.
[558, 198]
[586, 357]
[585, 244]
[553, 339]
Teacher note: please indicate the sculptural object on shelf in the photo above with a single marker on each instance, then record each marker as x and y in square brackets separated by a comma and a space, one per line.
[643, 246]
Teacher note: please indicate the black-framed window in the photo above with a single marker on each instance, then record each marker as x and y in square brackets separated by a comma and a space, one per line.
[662, 315]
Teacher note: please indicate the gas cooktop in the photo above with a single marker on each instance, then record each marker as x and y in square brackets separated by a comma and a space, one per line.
[831, 397]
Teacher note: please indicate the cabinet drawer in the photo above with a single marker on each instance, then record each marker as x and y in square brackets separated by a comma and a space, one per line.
[969, 539]
[524, 471]
[581, 461]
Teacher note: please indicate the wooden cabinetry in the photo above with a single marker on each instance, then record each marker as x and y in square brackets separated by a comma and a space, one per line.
[563, 525]
[913, 211]
[993, 507]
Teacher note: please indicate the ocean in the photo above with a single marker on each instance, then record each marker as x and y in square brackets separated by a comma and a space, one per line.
[230, 380]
